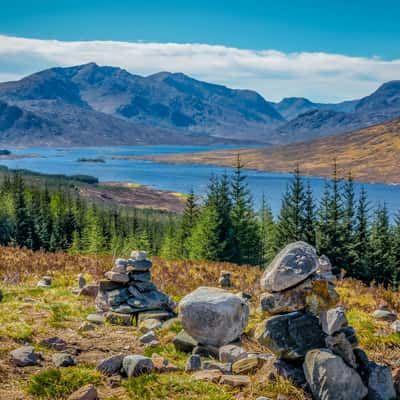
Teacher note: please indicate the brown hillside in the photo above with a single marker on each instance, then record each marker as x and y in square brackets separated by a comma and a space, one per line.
[371, 154]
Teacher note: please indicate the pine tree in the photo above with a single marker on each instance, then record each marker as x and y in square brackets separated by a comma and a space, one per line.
[291, 220]
[308, 231]
[188, 222]
[267, 234]
[245, 231]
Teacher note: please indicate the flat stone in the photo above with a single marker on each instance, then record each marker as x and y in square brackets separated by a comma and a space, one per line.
[135, 365]
[330, 378]
[89, 290]
[156, 314]
[245, 365]
[86, 327]
[150, 325]
[117, 296]
[225, 368]
[184, 342]
[231, 352]
[63, 360]
[120, 269]
[121, 262]
[140, 276]
[140, 266]
[110, 365]
[116, 277]
[115, 318]
[380, 382]
[124, 309]
[384, 315]
[25, 356]
[206, 351]
[213, 376]
[144, 286]
[193, 363]
[97, 319]
[333, 320]
[324, 265]
[148, 337]
[161, 364]
[340, 346]
[106, 285]
[87, 392]
[214, 316]
[290, 336]
[293, 265]
[290, 300]
[139, 255]
[54, 343]
[235, 380]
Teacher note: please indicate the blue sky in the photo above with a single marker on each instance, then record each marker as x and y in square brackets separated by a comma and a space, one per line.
[348, 30]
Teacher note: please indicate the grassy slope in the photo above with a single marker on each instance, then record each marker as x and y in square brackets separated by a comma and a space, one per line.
[371, 154]
[28, 315]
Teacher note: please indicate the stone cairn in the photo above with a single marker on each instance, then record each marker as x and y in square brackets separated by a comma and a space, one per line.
[309, 333]
[128, 291]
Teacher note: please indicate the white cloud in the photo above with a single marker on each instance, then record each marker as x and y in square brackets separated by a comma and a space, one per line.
[319, 76]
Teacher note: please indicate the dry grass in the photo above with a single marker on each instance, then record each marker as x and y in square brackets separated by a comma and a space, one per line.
[29, 314]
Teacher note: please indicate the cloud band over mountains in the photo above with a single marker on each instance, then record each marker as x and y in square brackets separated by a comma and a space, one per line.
[274, 74]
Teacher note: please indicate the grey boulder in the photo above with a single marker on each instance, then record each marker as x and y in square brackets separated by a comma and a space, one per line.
[293, 265]
[110, 365]
[25, 356]
[380, 382]
[330, 378]
[214, 316]
[63, 360]
[135, 365]
[333, 320]
[291, 336]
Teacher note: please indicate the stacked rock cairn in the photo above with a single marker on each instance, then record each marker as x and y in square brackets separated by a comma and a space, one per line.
[309, 333]
[128, 291]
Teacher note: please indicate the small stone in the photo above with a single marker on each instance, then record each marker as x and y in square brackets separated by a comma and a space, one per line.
[293, 265]
[396, 326]
[148, 337]
[324, 264]
[106, 286]
[330, 378]
[153, 343]
[206, 351]
[87, 392]
[263, 398]
[225, 279]
[89, 290]
[160, 315]
[115, 318]
[380, 382]
[86, 327]
[1, 296]
[45, 282]
[213, 376]
[81, 281]
[97, 319]
[245, 365]
[25, 356]
[63, 360]
[193, 363]
[231, 352]
[333, 320]
[141, 277]
[55, 343]
[124, 309]
[225, 368]
[351, 335]
[117, 277]
[184, 342]
[384, 314]
[110, 365]
[161, 364]
[120, 262]
[135, 365]
[139, 255]
[288, 370]
[140, 266]
[149, 325]
[114, 381]
[235, 380]
[339, 344]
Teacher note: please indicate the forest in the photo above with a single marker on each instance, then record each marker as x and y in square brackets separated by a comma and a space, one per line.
[222, 225]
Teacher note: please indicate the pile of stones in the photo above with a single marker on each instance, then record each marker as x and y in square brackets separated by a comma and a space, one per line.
[128, 291]
[309, 334]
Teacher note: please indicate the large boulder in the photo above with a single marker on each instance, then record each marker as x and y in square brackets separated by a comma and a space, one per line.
[135, 365]
[330, 378]
[291, 336]
[293, 265]
[214, 316]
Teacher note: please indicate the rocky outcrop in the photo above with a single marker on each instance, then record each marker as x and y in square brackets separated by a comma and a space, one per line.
[214, 316]
[129, 291]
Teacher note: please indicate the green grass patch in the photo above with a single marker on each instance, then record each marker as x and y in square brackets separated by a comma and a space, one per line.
[177, 387]
[60, 383]
[168, 351]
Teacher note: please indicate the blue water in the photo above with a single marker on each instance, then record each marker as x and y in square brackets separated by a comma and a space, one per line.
[181, 178]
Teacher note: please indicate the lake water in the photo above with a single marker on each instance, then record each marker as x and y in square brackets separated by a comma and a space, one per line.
[181, 178]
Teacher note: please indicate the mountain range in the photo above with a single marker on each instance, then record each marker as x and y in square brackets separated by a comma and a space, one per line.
[94, 105]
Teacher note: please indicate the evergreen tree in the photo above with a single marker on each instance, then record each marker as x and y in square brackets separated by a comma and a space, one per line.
[267, 234]
[245, 231]
[308, 231]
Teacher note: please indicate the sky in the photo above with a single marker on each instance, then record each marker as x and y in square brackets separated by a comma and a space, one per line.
[323, 50]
